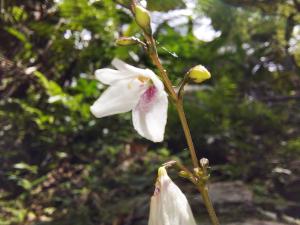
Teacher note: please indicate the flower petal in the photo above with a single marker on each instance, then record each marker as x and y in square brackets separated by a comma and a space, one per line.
[131, 70]
[155, 79]
[110, 76]
[124, 67]
[175, 205]
[155, 212]
[121, 97]
[169, 206]
[150, 118]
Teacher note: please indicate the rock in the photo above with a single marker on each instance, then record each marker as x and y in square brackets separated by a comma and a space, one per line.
[230, 193]
[256, 222]
[233, 201]
[227, 197]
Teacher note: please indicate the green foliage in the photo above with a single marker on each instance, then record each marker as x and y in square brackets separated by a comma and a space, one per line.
[60, 165]
[164, 5]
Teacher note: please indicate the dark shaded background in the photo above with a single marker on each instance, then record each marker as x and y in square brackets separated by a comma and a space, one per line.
[60, 165]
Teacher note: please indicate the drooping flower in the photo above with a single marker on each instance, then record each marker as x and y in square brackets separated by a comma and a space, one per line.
[137, 90]
[169, 206]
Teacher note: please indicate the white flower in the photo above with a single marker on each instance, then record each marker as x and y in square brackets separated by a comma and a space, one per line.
[139, 90]
[169, 205]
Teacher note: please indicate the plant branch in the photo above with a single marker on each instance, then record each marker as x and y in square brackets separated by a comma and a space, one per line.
[199, 177]
[178, 101]
[186, 129]
[155, 59]
[208, 204]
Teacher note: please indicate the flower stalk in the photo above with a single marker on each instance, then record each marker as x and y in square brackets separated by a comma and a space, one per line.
[208, 204]
[152, 51]
[178, 101]
[199, 179]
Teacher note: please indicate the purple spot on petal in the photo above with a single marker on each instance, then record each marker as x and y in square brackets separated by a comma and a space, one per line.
[156, 191]
[147, 99]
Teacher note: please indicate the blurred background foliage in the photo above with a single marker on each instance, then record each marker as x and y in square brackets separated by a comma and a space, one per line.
[60, 165]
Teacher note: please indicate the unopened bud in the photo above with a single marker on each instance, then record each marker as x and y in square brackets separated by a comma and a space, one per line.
[143, 18]
[184, 174]
[126, 41]
[204, 162]
[199, 74]
[198, 172]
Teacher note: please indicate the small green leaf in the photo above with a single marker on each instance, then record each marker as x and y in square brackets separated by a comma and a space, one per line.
[25, 166]
[165, 5]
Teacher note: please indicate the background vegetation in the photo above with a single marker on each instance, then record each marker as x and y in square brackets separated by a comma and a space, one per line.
[60, 165]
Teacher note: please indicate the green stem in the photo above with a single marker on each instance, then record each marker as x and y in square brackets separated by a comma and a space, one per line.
[208, 204]
[155, 59]
[179, 106]
[187, 133]
[178, 101]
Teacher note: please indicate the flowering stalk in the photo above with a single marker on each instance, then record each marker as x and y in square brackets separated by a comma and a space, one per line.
[177, 100]
[208, 204]
[199, 177]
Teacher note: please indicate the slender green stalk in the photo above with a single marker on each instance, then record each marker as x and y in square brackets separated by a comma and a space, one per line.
[178, 101]
[187, 133]
[179, 106]
[155, 59]
[208, 204]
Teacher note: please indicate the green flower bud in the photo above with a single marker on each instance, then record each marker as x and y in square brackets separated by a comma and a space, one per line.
[199, 74]
[198, 172]
[184, 174]
[126, 41]
[143, 18]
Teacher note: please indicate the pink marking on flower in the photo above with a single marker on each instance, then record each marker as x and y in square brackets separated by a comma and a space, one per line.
[156, 191]
[147, 99]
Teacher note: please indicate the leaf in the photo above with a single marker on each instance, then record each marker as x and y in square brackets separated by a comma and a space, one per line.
[165, 5]
[20, 36]
[26, 184]
[19, 13]
[51, 87]
[25, 166]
